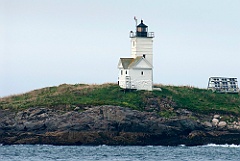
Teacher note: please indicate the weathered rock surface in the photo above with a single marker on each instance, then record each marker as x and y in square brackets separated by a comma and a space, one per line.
[215, 122]
[110, 125]
[222, 124]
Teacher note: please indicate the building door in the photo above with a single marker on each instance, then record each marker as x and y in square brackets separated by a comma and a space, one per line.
[128, 82]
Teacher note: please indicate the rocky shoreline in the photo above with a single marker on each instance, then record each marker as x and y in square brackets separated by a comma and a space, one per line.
[114, 125]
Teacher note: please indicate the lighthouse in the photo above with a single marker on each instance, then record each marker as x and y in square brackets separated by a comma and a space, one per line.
[136, 72]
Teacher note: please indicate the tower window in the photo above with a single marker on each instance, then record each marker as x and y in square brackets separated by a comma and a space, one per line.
[144, 55]
[142, 72]
[139, 29]
[121, 72]
[126, 71]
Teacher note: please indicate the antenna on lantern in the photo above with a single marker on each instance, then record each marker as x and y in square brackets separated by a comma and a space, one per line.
[135, 18]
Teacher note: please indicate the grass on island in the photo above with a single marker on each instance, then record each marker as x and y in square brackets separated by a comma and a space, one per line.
[68, 97]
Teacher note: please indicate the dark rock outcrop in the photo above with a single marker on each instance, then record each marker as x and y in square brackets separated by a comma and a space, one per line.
[111, 125]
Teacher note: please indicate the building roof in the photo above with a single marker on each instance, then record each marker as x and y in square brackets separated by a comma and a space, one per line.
[126, 62]
[223, 78]
[135, 61]
[130, 62]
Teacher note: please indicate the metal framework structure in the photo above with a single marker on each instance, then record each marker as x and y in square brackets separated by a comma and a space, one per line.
[223, 85]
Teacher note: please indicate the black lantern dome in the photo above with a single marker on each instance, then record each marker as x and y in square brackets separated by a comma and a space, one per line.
[142, 30]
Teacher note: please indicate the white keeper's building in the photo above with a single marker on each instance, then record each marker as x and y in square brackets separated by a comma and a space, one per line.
[136, 72]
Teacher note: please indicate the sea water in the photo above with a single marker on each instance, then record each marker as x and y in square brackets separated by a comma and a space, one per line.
[119, 153]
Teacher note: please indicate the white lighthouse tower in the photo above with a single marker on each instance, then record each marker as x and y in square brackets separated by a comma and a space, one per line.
[137, 72]
[142, 42]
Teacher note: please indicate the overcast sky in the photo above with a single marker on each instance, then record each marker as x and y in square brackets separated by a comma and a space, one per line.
[50, 42]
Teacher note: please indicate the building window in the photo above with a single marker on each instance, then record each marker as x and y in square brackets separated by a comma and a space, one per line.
[126, 71]
[142, 72]
[144, 55]
[121, 72]
[133, 43]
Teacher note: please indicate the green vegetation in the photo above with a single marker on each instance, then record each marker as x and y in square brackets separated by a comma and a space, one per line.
[67, 97]
[202, 100]
[167, 114]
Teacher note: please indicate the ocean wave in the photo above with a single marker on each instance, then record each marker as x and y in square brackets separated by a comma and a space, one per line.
[182, 145]
[223, 145]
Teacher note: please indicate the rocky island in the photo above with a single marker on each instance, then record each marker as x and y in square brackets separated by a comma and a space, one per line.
[103, 114]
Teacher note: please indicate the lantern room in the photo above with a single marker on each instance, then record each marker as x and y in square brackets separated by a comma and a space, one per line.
[142, 30]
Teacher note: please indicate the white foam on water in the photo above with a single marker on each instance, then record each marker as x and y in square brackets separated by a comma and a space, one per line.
[150, 146]
[223, 145]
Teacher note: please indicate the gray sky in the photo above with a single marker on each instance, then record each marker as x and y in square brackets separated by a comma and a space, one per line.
[50, 42]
